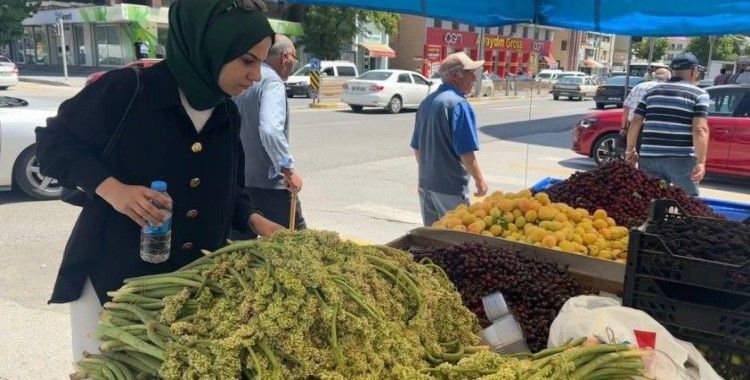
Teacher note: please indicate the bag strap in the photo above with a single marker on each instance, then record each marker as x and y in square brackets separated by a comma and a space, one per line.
[120, 125]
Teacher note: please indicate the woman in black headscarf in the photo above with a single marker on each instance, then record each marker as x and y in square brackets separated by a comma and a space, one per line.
[183, 129]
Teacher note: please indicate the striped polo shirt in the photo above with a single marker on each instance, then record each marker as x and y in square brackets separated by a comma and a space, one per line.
[668, 110]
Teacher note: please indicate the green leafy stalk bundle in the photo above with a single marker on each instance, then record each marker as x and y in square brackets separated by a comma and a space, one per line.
[297, 305]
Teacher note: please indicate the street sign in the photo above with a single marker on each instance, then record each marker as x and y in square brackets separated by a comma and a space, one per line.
[315, 64]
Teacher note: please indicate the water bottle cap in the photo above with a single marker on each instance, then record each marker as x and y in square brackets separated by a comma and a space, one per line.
[159, 185]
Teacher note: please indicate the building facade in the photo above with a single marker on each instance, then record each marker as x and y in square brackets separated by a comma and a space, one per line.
[102, 35]
[675, 47]
[422, 43]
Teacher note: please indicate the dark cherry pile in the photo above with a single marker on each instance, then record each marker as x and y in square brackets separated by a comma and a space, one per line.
[624, 191]
[708, 239]
[534, 290]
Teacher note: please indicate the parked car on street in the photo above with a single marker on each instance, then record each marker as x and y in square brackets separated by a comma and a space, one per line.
[557, 76]
[18, 165]
[703, 83]
[8, 73]
[611, 92]
[578, 87]
[729, 132]
[488, 83]
[392, 90]
[299, 82]
[141, 63]
[546, 75]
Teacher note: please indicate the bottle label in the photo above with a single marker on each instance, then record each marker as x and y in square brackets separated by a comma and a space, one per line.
[165, 228]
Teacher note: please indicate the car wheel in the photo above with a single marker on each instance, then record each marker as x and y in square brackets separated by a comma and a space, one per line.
[600, 106]
[310, 92]
[289, 94]
[3, 88]
[394, 106]
[605, 149]
[555, 97]
[619, 105]
[580, 98]
[356, 108]
[27, 176]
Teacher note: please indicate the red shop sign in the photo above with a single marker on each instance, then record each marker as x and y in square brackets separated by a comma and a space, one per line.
[453, 38]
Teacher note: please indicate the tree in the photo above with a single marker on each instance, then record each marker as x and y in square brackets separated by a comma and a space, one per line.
[329, 29]
[12, 12]
[643, 48]
[726, 48]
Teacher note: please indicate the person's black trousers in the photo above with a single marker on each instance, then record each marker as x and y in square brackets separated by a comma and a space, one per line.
[275, 205]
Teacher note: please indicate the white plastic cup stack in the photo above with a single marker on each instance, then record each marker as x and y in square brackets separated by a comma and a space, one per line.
[505, 336]
[495, 306]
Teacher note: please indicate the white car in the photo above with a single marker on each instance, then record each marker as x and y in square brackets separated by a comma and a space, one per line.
[8, 73]
[18, 165]
[392, 90]
[578, 87]
[488, 85]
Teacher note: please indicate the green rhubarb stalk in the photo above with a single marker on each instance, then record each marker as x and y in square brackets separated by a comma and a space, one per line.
[120, 334]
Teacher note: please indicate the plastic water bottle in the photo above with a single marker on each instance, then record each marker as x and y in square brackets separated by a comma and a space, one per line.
[157, 241]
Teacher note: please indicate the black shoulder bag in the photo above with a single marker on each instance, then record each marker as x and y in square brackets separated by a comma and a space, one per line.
[78, 197]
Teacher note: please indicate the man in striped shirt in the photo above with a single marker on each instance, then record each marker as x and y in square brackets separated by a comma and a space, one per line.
[673, 117]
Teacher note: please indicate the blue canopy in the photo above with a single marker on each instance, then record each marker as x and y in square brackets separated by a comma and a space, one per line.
[628, 17]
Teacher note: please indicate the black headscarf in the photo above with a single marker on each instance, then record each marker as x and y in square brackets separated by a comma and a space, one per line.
[204, 35]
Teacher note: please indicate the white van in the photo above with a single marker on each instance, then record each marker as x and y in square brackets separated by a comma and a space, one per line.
[299, 82]
[546, 75]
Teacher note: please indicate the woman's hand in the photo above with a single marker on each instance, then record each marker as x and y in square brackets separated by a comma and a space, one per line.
[134, 201]
[262, 226]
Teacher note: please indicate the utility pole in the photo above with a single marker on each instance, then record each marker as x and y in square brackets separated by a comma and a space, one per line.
[61, 29]
[711, 41]
[478, 82]
[650, 55]
[627, 70]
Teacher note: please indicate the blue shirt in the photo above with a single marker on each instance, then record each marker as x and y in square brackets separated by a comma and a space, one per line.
[668, 111]
[265, 131]
[445, 128]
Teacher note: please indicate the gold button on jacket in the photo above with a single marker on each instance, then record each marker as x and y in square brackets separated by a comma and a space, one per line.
[192, 214]
[196, 147]
[195, 182]
[187, 246]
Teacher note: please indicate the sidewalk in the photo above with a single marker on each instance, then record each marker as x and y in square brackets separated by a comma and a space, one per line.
[53, 75]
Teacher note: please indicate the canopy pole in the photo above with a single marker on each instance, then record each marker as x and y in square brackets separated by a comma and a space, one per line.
[627, 70]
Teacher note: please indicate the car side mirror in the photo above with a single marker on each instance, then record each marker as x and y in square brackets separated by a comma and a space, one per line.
[430, 83]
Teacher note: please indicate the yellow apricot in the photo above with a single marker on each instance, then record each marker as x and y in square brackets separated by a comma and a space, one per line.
[600, 214]
[496, 230]
[549, 241]
[459, 227]
[546, 213]
[530, 216]
[589, 238]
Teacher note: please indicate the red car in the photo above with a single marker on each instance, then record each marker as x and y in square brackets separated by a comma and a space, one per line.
[729, 128]
[141, 63]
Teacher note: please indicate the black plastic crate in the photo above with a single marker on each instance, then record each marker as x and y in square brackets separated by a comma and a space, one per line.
[723, 315]
[649, 255]
[728, 359]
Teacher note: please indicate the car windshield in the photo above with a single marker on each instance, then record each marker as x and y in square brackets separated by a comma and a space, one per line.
[7, 101]
[620, 81]
[544, 75]
[376, 75]
[571, 80]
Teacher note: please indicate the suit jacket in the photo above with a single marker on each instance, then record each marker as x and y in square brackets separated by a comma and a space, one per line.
[203, 171]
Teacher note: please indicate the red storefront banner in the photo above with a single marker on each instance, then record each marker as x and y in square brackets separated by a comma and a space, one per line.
[451, 38]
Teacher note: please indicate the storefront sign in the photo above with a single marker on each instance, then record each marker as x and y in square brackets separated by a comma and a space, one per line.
[434, 53]
[517, 45]
[453, 38]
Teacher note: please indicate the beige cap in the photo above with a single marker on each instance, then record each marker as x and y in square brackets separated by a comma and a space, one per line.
[459, 61]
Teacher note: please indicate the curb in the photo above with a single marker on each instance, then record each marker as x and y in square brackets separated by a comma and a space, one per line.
[327, 106]
[44, 81]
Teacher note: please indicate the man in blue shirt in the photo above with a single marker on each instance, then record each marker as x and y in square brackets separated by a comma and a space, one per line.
[445, 139]
[270, 176]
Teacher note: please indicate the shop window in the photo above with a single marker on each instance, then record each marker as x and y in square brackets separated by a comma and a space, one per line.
[525, 32]
[564, 45]
[455, 25]
[41, 45]
[487, 30]
[536, 33]
[513, 29]
[472, 28]
[438, 23]
[109, 51]
[548, 35]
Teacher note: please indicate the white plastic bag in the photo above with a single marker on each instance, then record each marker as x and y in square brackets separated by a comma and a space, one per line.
[605, 318]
